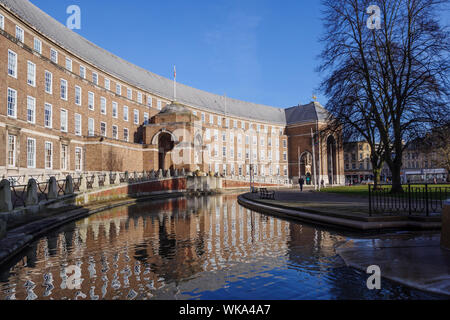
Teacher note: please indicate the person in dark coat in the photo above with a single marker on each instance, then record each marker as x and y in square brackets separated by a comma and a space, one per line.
[301, 182]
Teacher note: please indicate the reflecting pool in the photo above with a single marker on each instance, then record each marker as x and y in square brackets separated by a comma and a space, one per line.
[189, 248]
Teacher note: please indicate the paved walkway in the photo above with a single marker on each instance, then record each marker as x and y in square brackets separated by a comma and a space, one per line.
[414, 260]
[328, 203]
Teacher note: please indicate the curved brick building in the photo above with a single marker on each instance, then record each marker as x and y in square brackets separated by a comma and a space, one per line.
[69, 106]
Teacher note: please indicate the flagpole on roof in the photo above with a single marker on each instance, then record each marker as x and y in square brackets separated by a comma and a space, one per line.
[174, 83]
[225, 97]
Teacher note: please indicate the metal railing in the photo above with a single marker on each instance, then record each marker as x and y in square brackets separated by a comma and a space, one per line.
[18, 195]
[416, 199]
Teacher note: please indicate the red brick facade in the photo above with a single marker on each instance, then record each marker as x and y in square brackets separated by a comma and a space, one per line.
[111, 131]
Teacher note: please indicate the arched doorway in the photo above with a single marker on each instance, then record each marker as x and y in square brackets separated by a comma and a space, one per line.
[165, 145]
[306, 167]
[331, 160]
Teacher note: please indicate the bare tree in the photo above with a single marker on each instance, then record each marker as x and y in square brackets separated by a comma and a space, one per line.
[390, 77]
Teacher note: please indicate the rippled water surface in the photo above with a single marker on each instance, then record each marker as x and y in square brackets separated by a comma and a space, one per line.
[196, 248]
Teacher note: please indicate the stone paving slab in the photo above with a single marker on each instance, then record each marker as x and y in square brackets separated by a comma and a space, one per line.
[338, 221]
[416, 262]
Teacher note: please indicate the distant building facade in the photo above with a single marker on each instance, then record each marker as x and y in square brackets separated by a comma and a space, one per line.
[357, 165]
[420, 164]
[71, 107]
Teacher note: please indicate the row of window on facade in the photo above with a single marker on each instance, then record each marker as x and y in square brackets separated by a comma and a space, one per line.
[239, 136]
[20, 36]
[361, 166]
[48, 154]
[48, 117]
[48, 85]
[257, 127]
[262, 153]
[262, 170]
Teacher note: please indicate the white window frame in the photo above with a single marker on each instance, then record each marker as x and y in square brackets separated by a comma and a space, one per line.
[14, 103]
[13, 152]
[95, 78]
[136, 116]
[107, 84]
[78, 95]
[51, 115]
[115, 109]
[20, 34]
[115, 132]
[63, 125]
[79, 151]
[130, 93]
[149, 102]
[78, 124]
[64, 156]
[31, 74]
[82, 71]
[125, 113]
[31, 100]
[46, 73]
[159, 104]
[64, 84]
[118, 89]
[12, 63]
[91, 100]
[103, 134]
[53, 55]
[91, 131]
[46, 144]
[103, 105]
[37, 43]
[139, 97]
[69, 64]
[146, 117]
[2, 22]
[127, 135]
[33, 158]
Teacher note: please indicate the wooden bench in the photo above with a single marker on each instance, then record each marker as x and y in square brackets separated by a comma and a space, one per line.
[266, 194]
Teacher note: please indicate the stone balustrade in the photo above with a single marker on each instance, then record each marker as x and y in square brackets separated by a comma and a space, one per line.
[14, 195]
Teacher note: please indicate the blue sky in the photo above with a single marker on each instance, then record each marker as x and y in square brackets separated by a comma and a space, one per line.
[254, 50]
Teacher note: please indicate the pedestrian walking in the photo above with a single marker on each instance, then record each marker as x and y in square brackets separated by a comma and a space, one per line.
[301, 182]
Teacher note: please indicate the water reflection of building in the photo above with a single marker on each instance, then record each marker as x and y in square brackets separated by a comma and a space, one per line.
[146, 249]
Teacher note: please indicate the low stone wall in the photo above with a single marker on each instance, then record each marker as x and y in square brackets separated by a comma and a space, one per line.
[235, 184]
[132, 190]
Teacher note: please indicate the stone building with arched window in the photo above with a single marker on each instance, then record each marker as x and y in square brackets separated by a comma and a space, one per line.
[70, 107]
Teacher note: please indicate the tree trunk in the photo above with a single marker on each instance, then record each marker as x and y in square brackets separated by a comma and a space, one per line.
[396, 178]
[376, 177]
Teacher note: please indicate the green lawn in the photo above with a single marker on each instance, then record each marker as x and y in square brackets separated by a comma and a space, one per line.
[364, 189]
[360, 190]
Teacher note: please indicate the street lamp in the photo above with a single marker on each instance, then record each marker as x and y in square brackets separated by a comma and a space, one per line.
[314, 160]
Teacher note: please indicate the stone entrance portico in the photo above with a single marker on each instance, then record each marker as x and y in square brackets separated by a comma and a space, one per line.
[170, 137]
